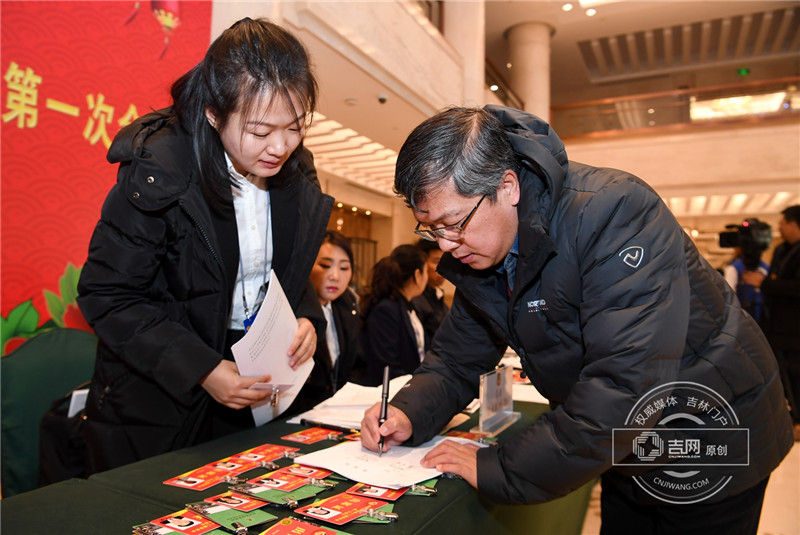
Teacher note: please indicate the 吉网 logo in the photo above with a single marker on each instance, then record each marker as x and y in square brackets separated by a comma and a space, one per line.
[682, 442]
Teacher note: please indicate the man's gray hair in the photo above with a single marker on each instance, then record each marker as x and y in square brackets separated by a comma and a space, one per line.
[465, 146]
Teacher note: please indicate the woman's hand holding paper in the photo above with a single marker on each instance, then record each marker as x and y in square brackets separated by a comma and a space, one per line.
[304, 343]
[225, 385]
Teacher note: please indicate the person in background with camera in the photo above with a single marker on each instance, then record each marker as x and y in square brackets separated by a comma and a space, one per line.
[430, 305]
[781, 290]
[752, 238]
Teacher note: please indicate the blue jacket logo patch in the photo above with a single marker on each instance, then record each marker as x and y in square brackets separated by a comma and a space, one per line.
[632, 255]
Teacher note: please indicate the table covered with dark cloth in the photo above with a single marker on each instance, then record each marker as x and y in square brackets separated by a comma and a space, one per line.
[112, 502]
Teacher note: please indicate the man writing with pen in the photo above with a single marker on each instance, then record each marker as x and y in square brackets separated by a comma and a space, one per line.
[586, 274]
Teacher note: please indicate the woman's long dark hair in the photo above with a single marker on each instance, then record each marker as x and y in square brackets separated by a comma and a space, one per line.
[390, 274]
[338, 239]
[250, 59]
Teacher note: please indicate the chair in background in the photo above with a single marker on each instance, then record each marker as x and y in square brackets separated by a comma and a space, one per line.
[34, 375]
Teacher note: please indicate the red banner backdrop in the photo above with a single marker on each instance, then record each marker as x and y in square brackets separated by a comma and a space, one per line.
[73, 74]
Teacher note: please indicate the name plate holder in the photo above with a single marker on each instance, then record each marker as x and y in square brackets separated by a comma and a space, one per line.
[497, 402]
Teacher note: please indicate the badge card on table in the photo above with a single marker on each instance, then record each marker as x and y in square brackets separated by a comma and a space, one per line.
[154, 529]
[281, 481]
[228, 517]
[267, 452]
[211, 474]
[214, 473]
[341, 509]
[185, 521]
[236, 501]
[294, 526]
[371, 491]
[304, 471]
[276, 496]
[311, 435]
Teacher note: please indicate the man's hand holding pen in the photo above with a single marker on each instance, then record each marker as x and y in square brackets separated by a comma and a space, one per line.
[384, 406]
[395, 430]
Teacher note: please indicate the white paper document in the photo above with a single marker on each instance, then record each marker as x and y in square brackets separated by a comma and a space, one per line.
[346, 407]
[397, 468]
[263, 349]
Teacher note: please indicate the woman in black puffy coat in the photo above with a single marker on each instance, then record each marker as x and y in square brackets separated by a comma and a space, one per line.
[213, 196]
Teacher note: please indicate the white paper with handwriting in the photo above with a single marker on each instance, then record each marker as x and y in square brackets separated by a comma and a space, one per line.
[397, 468]
[263, 351]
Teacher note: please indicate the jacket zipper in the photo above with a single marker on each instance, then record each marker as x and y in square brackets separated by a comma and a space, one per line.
[203, 233]
[213, 251]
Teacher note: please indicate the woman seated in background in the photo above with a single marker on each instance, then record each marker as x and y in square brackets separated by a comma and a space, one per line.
[337, 346]
[391, 331]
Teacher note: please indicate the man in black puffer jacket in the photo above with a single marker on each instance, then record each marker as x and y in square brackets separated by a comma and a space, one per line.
[616, 318]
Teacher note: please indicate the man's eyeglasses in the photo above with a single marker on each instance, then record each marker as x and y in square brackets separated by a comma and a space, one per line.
[450, 232]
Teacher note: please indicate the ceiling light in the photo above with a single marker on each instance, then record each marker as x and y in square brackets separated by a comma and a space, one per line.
[339, 205]
[591, 12]
[368, 212]
[493, 87]
[736, 106]
[508, 65]
[354, 209]
[567, 7]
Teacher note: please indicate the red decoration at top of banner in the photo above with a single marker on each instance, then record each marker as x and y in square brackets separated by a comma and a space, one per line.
[73, 74]
[167, 13]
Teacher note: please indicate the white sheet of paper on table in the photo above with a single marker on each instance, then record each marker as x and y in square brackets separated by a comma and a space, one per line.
[346, 407]
[397, 468]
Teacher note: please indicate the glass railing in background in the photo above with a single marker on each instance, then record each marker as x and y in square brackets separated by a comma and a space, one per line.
[497, 85]
[681, 108]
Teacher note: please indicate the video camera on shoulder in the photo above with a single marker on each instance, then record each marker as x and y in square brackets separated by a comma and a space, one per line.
[753, 237]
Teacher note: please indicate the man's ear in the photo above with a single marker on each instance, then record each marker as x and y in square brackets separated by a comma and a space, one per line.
[510, 186]
[212, 119]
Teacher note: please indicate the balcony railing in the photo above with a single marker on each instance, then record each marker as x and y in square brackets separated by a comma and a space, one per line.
[680, 109]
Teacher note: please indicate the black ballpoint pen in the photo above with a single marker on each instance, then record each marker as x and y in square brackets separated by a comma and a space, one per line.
[312, 423]
[384, 406]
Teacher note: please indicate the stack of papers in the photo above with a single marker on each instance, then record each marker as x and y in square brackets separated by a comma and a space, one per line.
[346, 407]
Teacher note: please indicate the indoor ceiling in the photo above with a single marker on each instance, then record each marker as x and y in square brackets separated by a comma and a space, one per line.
[629, 40]
[356, 136]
